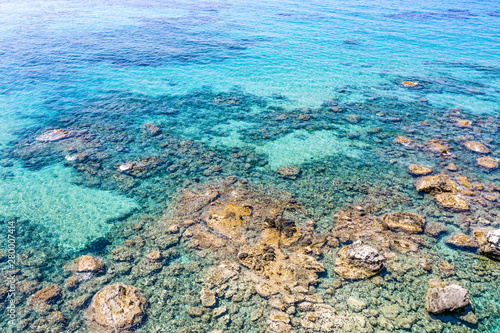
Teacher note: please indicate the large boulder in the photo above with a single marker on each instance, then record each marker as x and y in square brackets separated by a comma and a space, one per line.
[444, 298]
[365, 256]
[462, 242]
[487, 162]
[492, 247]
[115, 308]
[358, 261]
[435, 184]
[477, 147]
[452, 202]
[406, 221]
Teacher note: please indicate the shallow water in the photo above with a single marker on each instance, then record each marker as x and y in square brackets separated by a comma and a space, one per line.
[242, 89]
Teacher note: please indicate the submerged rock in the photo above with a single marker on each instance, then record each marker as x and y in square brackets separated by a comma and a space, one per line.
[150, 129]
[406, 221]
[141, 167]
[435, 184]
[115, 308]
[452, 202]
[358, 261]
[289, 171]
[462, 241]
[404, 141]
[435, 228]
[418, 170]
[207, 297]
[409, 84]
[438, 148]
[86, 264]
[444, 298]
[476, 147]
[54, 135]
[41, 301]
[464, 123]
[487, 162]
[444, 190]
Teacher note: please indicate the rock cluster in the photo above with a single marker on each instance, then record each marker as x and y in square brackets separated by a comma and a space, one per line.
[489, 241]
[445, 191]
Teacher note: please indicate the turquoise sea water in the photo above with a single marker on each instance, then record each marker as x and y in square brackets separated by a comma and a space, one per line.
[250, 87]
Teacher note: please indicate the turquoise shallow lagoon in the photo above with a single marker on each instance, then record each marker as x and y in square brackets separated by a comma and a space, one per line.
[121, 119]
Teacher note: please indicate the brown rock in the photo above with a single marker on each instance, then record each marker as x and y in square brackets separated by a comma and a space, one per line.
[435, 184]
[404, 141]
[480, 235]
[212, 170]
[406, 221]
[279, 316]
[409, 84]
[446, 269]
[436, 147]
[476, 147]
[435, 228]
[150, 129]
[115, 308]
[418, 170]
[464, 123]
[452, 167]
[42, 299]
[452, 202]
[487, 162]
[173, 229]
[490, 197]
[72, 282]
[56, 317]
[154, 256]
[289, 171]
[462, 241]
[279, 322]
[424, 263]
[207, 297]
[88, 264]
[464, 182]
[195, 311]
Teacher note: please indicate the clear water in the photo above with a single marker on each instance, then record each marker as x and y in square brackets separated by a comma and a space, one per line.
[234, 77]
